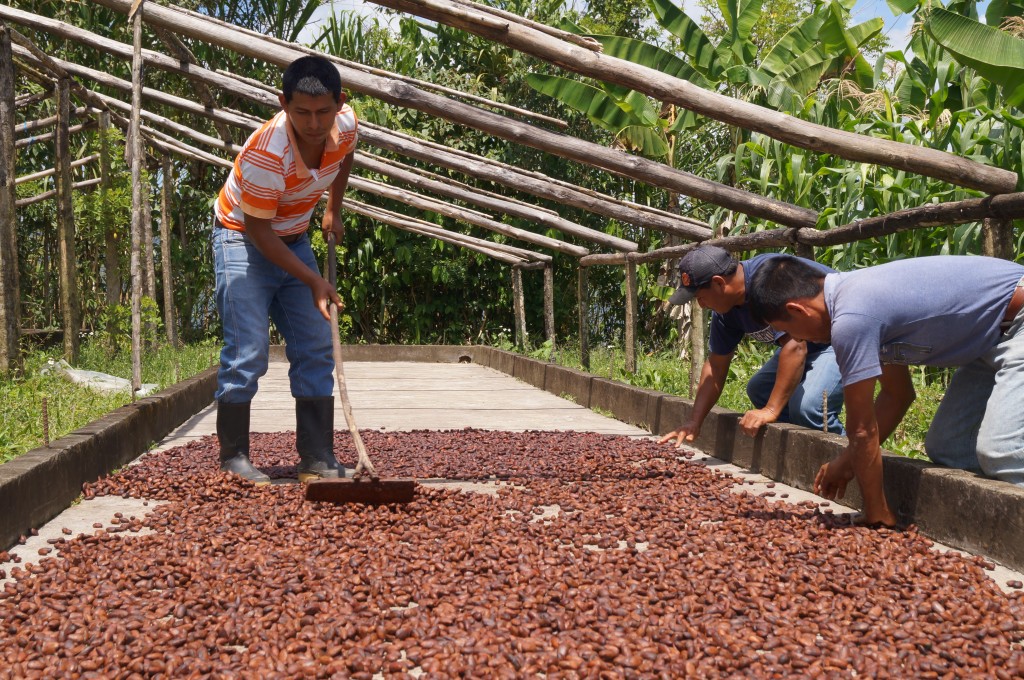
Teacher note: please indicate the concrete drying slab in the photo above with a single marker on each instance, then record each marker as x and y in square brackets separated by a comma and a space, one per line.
[402, 396]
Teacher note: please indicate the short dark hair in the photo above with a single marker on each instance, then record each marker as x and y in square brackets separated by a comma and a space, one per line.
[778, 281]
[313, 76]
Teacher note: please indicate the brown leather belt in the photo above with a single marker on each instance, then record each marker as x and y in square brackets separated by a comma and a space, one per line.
[287, 240]
[1015, 304]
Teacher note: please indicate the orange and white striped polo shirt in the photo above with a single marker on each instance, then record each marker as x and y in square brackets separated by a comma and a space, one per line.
[271, 181]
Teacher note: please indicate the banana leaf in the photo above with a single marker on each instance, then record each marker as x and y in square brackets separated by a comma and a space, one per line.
[600, 108]
[996, 55]
[694, 43]
[645, 54]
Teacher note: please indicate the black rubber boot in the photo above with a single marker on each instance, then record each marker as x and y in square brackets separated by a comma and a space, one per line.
[233, 432]
[314, 439]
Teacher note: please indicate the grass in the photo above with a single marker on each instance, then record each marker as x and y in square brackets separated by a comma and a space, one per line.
[662, 370]
[71, 406]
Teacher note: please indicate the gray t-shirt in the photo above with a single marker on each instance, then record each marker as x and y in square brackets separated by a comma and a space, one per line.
[937, 311]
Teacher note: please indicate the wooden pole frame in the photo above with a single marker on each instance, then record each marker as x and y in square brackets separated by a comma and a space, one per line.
[10, 286]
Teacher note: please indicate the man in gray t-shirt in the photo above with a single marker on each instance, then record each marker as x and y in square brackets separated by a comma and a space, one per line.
[936, 311]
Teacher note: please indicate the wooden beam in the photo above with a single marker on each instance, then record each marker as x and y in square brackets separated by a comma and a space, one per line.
[136, 158]
[381, 72]
[631, 311]
[10, 287]
[997, 238]
[414, 227]
[68, 264]
[469, 216]
[46, 173]
[202, 91]
[519, 308]
[668, 89]
[373, 164]
[50, 121]
[549, 304]
[515, 178]
[30, 99]
[566, 146]
[111, 254]
[77, 186]
[50, 136]
[583, 312]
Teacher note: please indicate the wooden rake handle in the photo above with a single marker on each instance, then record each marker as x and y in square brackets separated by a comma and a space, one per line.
[363, 465]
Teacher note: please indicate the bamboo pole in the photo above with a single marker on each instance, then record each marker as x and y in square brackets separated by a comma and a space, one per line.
[631, 311]
[49, 121]
[465, 215]
[566, 146]
[50, 136]
[507, 206]
[30, 99]
[582, 303]
[496, 251]
[46, 173]
[136, 154]
[38, 198]
[549, 304]
[10, 287]
[69, 294]
[519, 308]
[671, 90]
[170, 327]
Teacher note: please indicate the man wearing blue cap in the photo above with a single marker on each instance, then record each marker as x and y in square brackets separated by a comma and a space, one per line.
[789, 388]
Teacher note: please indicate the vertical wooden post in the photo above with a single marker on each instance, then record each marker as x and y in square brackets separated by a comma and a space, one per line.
[997, 238]
[803, 250]
[10, 290]
[111, 256]
[582, 297]
[69, 304]
[519, 307]
[136, 154]
[165, 254]
[697, 345]
[549, 304]
[631, 305]
[148, 248]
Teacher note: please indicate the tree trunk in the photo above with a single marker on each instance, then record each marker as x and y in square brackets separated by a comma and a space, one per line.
[10, 290]
[69, 293]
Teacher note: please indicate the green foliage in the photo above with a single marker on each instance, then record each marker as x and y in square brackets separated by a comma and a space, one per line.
[71, 406]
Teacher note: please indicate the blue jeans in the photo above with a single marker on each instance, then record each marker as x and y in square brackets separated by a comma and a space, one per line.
[979, 424]
[821, 374]
[250, 292]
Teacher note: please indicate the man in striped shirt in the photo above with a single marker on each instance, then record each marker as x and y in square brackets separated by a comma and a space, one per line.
[265, 268]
